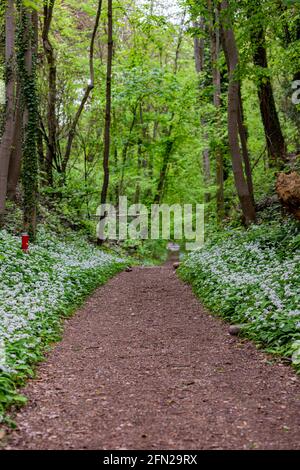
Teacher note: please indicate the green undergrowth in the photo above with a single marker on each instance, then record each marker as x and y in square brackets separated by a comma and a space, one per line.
[37, 291]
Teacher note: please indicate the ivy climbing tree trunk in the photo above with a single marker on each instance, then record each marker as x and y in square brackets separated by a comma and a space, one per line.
[27, 46]
[16, 150]
[106, 153]
[7, 136]
[231, 51]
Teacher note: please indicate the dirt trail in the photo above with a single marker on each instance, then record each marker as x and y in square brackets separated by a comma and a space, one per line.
[143, 366]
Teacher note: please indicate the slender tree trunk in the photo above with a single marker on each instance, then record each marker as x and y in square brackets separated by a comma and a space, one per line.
[230, 47]
[125, 151]
[199, 65]
[170, 141]
[117, 188]
[52, 92]
[206, 171]
[274, 137]
[199, 46]
[85, 97]
[40, 148]
[216, 75]
[137, 194]
[179, 42]
[106, 153]
[220, 184]
[163, 172]
[243, 135]
[244, 144]
[7, 136]
[140, 161]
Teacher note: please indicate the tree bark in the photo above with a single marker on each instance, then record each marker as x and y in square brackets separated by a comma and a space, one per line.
[106, 153]
[164, 169]
[179, 42]
[125, 150]
[274, 137]
[199, 46]
[216, 75]
[199, 66]
[158, 195]
[52, 92]
[230, 47]
[86, 95]
[206, 171]
[7, 136]
[244, 144]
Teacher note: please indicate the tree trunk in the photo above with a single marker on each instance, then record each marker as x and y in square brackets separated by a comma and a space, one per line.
[7, 136]
[216, 75]
[106, 153]
[52, 92]
[230, 47]
[85, 97]
[242, 132]
[169, 141]
[163, 172]
[179, 42]
[220, 184]
[244, 144]
[137, 193]
[199, 66]
[27, 37]
[274, 137]
[125, 151]
[199, 47]
[206, 171]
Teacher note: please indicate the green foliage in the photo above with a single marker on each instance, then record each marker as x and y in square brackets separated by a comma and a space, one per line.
[162, 112]
[153, 103]
[148, 252]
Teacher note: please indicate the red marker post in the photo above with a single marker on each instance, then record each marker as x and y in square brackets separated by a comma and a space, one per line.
[25, 242]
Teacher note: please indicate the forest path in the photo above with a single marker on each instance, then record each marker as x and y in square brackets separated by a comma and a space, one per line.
[143, 366]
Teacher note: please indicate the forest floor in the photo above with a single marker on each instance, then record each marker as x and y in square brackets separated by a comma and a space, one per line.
[143, 366]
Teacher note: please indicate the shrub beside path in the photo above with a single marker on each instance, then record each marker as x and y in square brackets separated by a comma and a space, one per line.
[143, 366]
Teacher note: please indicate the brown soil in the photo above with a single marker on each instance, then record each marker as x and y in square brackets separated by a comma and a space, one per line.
[143, 366]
